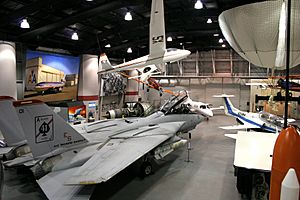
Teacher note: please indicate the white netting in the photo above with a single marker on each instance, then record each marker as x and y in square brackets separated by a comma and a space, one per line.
[253, 32]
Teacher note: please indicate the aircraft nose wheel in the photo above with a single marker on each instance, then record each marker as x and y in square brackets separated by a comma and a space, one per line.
[146, 169]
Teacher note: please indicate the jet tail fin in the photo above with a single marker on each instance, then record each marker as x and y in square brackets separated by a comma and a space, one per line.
[228, 106]
[9, 123]
[157, 36]
[46, 132]
[104, 62]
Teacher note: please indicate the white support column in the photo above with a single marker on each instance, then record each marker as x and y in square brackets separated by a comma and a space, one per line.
[179, 64]
[213, 54]
[197, 63]
[8, 85]
[249, 69]
[88, 88]
[231, 62]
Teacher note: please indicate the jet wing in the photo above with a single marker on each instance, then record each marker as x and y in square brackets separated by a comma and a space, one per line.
[53, 186]
[253, 150]
[121, 151]
[238, 127]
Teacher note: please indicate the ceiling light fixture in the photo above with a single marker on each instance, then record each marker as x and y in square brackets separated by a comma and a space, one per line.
[75, 36]
[209, 21]
[169, 39]
[198, 4]
[223, 45]
[128, 16]
[24, 24]
[216, 34]
[129, 50]
[221, 40]
[108, 46]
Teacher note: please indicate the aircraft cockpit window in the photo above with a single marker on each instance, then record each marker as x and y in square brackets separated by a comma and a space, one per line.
[241, 114]
[202, 106]
[175, 104]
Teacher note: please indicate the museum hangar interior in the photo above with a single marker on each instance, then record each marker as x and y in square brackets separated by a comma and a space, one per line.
[203, 95]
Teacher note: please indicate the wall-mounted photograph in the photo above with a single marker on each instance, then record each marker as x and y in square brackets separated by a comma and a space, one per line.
[51, 77]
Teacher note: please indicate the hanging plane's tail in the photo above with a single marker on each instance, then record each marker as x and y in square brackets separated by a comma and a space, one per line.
[228, 106]
[9, 123]
[104, 62]
[46, 132]
[157, 35]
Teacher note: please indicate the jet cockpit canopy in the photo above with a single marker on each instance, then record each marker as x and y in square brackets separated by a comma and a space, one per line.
[175, 105]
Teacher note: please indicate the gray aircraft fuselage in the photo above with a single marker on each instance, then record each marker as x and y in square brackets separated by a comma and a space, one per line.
[190, 121]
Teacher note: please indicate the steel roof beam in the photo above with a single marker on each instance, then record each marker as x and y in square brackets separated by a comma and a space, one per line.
[50, 28]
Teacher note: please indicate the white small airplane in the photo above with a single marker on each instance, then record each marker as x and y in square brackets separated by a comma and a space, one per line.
[197, 106]
[261, 121]
[153, 63]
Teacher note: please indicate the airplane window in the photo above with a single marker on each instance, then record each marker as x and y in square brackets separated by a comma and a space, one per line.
[202, 106]
[242, 114]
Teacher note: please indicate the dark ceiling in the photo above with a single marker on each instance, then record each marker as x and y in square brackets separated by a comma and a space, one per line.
[99, 22]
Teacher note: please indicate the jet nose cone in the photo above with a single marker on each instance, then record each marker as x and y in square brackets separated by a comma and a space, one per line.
[210, 113]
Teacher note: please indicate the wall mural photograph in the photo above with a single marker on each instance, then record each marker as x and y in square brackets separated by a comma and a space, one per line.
[51, 77]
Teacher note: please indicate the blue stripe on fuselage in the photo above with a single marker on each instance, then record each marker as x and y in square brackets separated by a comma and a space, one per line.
[230, 111]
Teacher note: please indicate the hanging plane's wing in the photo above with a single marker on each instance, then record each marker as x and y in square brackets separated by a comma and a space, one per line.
[239, 127]
[121, 151]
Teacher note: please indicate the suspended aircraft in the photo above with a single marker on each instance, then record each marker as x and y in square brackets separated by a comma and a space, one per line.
[261, 121]
[153, 63]
[279, 84]
[292, 85]
[69, 158]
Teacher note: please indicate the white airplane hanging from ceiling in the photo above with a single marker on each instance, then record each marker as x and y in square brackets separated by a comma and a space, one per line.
[261, 121]
[153, 63]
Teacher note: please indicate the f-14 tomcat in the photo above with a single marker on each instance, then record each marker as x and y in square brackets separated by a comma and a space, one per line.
[158, 54]
[70, 158]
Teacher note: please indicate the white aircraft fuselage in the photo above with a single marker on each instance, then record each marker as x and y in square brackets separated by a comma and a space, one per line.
[171, 55]
[199, 107]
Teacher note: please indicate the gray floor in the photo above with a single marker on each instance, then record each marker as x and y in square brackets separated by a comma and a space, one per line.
[208, 177]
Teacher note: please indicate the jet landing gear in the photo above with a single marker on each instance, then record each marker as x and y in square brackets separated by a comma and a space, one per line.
[146, 169]
[145, 166]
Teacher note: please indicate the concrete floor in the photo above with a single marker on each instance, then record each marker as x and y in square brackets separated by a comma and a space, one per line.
[208, 177]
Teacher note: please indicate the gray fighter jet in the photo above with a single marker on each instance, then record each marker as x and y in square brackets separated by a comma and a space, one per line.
[72, 157]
